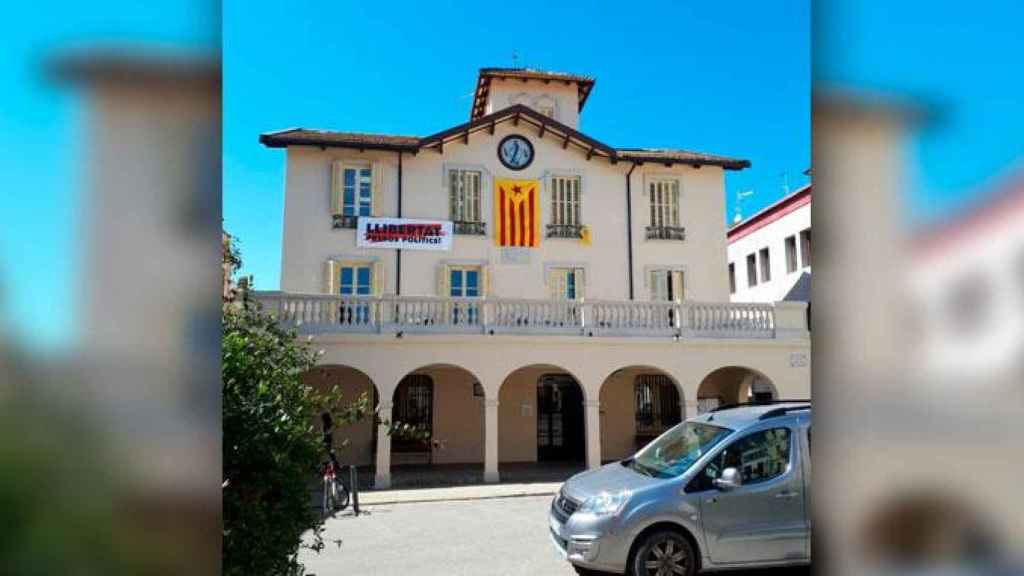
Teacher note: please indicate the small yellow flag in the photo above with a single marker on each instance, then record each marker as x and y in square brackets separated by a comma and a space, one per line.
[585, 236]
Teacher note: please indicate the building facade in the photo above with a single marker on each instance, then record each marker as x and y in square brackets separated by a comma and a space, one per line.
[519, 289]
[770, 252]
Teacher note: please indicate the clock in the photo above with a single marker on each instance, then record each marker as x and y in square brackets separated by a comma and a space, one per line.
[515, 152]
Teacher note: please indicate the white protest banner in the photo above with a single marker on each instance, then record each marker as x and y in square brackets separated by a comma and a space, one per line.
[404, 233]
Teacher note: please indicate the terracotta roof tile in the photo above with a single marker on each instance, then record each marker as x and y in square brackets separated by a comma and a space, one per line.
[324, 138]
[303, 136]
[534, 74]
[686, 156]
[584, 84]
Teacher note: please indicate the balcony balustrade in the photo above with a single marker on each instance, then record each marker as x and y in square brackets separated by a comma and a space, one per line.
[327, 313]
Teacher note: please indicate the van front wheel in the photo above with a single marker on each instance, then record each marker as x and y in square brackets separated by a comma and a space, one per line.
[664, 553]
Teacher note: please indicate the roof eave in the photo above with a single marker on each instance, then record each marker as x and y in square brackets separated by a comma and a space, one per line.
[725, 164]
[276, 141]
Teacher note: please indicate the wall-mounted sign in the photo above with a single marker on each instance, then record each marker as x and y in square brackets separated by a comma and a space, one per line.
[404, 233]
[515, 256]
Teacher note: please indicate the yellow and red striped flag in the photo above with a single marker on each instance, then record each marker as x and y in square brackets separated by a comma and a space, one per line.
[516, 212]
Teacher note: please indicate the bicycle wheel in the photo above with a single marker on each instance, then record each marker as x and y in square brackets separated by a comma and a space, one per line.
[342, 497]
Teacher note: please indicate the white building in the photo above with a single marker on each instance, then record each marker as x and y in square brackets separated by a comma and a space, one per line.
[770, 252]
[521, 290]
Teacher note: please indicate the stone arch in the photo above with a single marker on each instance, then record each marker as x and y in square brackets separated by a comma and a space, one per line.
[733, 385]
[447, 401]
[624, 428]
[528, 430]
[353, 442]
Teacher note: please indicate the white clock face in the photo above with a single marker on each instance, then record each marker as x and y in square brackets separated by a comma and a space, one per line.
[515, 152]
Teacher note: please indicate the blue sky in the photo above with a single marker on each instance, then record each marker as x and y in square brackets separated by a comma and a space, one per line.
[731, 80]
[41, 124]
[962, 62]
[701, 76]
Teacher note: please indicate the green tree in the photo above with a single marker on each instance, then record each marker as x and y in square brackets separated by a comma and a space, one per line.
[272, 447]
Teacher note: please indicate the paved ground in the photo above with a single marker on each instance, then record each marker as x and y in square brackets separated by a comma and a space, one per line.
[494, 537]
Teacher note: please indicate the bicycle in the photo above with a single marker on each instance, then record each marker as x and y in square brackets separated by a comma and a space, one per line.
[336, 495]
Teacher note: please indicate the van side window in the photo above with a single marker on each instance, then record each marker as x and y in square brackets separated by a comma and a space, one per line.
[759, 457]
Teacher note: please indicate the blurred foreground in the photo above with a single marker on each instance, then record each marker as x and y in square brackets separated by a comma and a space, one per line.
[918, 342]
[110, 449]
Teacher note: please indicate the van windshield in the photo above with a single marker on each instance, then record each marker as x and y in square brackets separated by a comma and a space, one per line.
[674, 452]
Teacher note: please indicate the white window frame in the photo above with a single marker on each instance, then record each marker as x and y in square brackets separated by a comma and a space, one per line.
[374, 263]
[559, 271]
[357, 166]
[485, 187]
[649, 271]
[764, 263]
[664, 206]
[792, 256]
[805, 247]
[463, 269]
[444, 268]
[574, 206]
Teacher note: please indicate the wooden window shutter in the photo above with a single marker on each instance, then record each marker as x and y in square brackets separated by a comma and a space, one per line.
[337, 180]
[331, 272]
[485, 280]
[377, 187]
[580, 279]
[443, 271]
[675, 203]
[677, 285]
[552, 283]
[377, 278]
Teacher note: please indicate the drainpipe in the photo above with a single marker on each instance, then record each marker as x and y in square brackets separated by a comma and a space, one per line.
[398, 252]
[629, 227]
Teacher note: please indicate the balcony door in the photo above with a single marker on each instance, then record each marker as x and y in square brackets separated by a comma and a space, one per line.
[560, 433]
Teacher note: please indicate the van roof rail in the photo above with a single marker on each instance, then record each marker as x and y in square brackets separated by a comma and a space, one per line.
[783, 410]
[762, 403]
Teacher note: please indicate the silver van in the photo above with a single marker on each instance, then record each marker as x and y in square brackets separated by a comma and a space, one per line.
[727, 489]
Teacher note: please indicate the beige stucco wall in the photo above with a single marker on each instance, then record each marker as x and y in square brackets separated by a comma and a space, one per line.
[508, 368]
[458, 417]
[353, 443]
[618, 416]
[535, 93]
[517, 416]
[309, 239]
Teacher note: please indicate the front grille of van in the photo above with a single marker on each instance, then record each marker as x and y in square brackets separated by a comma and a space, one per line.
[563, 507]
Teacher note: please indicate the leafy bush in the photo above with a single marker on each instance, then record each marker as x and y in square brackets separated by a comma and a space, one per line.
[272, 446]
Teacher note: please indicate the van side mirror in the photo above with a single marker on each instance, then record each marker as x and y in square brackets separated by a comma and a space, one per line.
[729, 480]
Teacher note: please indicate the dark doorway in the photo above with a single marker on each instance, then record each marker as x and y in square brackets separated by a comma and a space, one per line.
[560, 433]
[414, 406]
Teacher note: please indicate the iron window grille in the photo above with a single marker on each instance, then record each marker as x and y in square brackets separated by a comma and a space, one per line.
[565, 231]
[470, 228]
[657, 404]
[344, 221]
[666, 233]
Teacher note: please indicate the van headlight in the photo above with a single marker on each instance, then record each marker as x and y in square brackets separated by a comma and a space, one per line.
[606, 503]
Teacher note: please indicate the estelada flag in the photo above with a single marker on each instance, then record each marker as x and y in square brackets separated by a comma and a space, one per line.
[517, 212]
